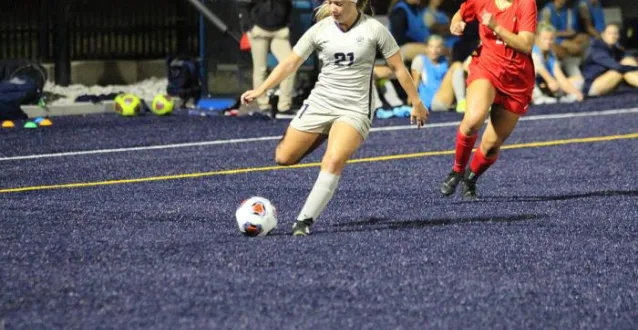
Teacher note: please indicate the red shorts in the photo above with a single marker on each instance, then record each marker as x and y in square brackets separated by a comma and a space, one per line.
[513, 94]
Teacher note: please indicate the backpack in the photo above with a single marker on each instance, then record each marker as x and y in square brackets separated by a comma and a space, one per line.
[183, 78]
[21, 82]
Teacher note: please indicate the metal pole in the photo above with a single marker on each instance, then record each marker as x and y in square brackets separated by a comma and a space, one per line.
[61, 43]
[203, 59]
[214, 19]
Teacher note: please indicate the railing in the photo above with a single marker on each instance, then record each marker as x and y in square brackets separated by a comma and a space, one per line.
[98, 30]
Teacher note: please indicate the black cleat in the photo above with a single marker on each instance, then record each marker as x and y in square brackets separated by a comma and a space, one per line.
[469, 186]
[449, 185]
[302, 227]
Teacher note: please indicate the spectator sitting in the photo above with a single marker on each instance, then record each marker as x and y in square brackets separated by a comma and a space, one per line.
[408, 27]
[568, 41]
[591, 17]
[439, 84]
[438, 22]
[607, 65]
[551, 82]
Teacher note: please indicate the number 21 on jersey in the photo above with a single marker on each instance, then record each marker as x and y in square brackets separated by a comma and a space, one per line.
[341, 57]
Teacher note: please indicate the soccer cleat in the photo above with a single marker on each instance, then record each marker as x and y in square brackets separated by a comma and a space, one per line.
[449, 185]
[469, 186]
[302, 227]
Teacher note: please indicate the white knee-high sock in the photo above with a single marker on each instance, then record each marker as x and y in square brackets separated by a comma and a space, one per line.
[320, 195]
[458, 83]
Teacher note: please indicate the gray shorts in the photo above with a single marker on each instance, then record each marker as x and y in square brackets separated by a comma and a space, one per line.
[313, 120]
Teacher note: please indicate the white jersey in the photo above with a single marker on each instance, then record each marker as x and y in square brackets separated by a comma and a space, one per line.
[345, 80]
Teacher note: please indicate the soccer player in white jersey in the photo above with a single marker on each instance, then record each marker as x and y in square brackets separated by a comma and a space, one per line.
[340, 107]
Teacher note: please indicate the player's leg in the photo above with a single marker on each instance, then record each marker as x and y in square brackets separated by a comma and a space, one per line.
[480, 96]
[344, 139]
[281, 49]
[501, 124]
[296, 144]
[259, 47]
[605, 83]
[630, 77]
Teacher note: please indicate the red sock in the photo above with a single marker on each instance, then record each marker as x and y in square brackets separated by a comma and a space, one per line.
[480, 163]
[464, 146]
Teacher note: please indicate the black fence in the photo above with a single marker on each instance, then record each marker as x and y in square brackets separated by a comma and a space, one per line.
[98, 30]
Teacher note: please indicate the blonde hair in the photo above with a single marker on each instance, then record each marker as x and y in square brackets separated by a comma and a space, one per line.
[434, 37]
[545, 27]
[323, 10]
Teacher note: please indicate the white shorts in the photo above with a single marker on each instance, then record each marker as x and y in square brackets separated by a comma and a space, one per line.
[312, 120]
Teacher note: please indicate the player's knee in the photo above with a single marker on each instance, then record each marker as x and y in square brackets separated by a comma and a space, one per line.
[471, 125]
[491, 146]
[285, 159]
[333, 164]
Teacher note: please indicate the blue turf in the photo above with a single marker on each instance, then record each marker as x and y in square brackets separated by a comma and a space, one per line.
[552, 243]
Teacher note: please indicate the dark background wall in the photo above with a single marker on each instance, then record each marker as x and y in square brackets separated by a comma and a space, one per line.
[130, 29]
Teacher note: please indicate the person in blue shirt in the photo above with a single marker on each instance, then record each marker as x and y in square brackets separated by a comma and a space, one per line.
[438, 22]
[408, 27]
[591, 17]
[433, 75]
[607, 64]
[552, 84]
[568, 41]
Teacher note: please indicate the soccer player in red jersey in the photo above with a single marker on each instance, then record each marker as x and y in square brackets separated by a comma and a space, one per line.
[501, 77]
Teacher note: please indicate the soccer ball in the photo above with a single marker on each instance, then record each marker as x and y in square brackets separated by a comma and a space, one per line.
[256, 216]
[128, 105]
[162, 105]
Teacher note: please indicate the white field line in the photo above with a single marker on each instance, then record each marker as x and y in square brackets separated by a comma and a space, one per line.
[269, 138]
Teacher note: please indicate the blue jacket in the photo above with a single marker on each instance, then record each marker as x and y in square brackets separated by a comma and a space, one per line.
[562, 20]
[596, 15]
[603, 58]
[433, 74]
[415, 31]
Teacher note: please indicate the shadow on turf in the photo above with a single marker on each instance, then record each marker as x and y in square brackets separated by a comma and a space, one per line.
[385, 223]
[604, 193]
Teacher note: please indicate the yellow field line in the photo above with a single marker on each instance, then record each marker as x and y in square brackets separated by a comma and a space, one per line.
[274, 168]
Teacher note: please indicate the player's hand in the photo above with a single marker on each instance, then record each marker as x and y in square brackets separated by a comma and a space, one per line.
[457, 28]
[553, 86]
[419, 114]
[580, 97]
[488, 20]
[250, 96]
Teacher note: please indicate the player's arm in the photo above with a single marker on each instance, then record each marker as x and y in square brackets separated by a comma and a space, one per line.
[284, 69]
[395, 62]
[416, 76]
[564, 84]
[302, 50]
[523, 41]
[465, 14]
[457, 24]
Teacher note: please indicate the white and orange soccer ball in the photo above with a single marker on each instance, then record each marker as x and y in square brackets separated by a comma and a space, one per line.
[256, 216]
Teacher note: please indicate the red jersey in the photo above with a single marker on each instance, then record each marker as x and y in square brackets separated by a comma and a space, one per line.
[510, 71]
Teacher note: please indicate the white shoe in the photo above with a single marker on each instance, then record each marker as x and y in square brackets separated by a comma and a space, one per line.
[545, 100]
[567, 99]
